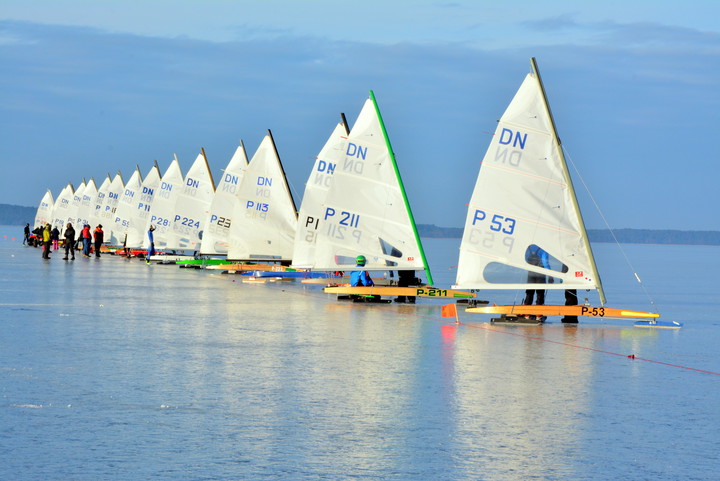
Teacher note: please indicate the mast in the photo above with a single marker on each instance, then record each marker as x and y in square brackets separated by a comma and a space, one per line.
[207, 167]
[343, 120]
[568, 180]
[402, 189]
[282, 169]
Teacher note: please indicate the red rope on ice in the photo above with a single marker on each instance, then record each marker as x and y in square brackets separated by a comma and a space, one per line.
[502, 331]
[631, 356]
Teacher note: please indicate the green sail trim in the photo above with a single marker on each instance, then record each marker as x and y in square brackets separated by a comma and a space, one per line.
[402, 190]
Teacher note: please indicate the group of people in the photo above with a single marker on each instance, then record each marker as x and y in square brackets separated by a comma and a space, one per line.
[49, 238]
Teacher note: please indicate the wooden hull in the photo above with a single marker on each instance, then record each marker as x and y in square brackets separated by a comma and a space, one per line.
[249, 267]
[398, 291]
[586, 311]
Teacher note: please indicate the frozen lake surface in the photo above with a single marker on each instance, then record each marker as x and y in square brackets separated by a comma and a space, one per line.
[111, 369]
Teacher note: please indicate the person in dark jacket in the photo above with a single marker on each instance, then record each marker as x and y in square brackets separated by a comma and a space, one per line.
[26, 231]
[55, 236]
[69, 242]
[536, 256]
[151, 247]
[99, 235]
[406, 279]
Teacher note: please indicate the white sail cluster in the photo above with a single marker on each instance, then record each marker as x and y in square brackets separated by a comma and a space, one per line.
[187, 213]
[354, 204]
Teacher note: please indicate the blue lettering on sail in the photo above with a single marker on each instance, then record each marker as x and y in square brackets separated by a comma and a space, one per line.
[192, 183]
[328, 167]
[264, 181]
[506, 136]
[231, 179]
[356, 151]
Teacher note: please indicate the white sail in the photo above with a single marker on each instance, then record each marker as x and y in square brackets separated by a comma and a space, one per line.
[86, 210]
[126, 208]
[523, 198]
[217, 230]
[366, 210]
[44, 213]
[74, 209]
[99, 202]
[108, 209]
[162, 212]
[316, 188]
[61, 210]
[192, 204]
[141, 218]
[265, 218]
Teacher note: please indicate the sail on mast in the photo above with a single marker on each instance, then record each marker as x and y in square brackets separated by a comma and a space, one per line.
[162, 211]
[193, 203]
[99, 201]
[61, 209]
[217, 226]
[311, 209]
[107, 214]
[142, 207]
[264, 220]
[524, 199]
[44, 213]
[125, 212]
[366, 211]
[87, 204]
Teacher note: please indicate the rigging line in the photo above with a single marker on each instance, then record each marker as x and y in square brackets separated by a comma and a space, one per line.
[610, 229]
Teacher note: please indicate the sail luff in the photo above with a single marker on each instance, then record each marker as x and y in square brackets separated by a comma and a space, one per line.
[568, 180]
[207, 166]
[402, 189]
[282, 169]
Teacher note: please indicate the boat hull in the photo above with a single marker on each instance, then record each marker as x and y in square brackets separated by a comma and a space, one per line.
[585, 311]
[399, 291]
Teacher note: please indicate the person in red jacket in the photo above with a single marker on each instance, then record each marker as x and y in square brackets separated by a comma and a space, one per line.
[99, 237]
[87, 240]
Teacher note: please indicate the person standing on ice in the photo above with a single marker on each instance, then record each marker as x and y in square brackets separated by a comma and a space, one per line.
[151, 248]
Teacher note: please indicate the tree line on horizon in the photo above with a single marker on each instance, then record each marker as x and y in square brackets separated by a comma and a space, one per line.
[20, 215]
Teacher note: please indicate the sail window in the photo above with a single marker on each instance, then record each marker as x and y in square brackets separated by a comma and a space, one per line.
[498, 273]
[388, 249]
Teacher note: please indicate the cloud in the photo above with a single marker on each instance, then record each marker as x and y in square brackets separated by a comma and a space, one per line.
[78, 102]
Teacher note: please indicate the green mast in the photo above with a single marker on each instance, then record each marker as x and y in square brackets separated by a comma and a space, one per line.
[402, 189]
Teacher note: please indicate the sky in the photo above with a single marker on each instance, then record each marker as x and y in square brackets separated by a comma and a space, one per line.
[89, 88]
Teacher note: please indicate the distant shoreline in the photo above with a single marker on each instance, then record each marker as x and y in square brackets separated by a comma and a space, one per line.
[623, 236]
[15, 215]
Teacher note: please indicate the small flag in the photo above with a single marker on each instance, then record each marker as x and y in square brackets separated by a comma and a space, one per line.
[449, 310]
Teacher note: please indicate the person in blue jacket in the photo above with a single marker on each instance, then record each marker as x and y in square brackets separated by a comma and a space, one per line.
[537, 257]
[151, 248]
[360, 277]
